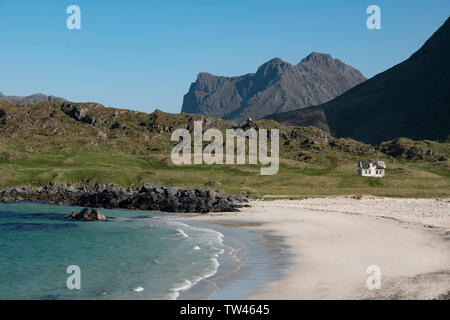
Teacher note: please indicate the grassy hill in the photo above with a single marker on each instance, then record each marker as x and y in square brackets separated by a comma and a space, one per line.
[87, 143]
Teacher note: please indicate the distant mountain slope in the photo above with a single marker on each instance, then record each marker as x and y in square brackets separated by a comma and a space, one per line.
[412, 99]
[50, 127]
[277, 86]
[33, 99]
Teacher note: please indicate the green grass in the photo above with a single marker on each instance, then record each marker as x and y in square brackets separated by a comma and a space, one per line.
[295, 179]
[375, 182]
[441, 169]
[313, 163]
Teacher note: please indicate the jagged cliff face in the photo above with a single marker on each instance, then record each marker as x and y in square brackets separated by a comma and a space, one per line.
[33, 99]
[277, 86]
[411, 99]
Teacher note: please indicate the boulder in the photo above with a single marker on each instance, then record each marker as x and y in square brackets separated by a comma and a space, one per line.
[213, 183]
[87, 214]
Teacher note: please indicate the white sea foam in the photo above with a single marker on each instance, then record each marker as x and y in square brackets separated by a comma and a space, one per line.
[173, 296]
[209, 236]
[213, 271]
[209, 272]
[187, 284]
[138, 289]
[205, 239]
[182, 233]
[219, 251]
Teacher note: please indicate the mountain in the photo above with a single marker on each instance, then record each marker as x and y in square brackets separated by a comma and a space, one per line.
[277, 86]
[411, 99]
[32, 99]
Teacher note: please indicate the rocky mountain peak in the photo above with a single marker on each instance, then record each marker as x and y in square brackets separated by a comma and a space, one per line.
[318, 58]
[33, 99]
[411, 99]
[277, 86]
[273, 67]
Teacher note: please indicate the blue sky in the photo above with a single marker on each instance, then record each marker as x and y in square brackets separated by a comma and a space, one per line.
[144, 55]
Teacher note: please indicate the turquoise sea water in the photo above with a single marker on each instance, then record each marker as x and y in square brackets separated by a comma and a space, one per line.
[133, 255]
[133, 250]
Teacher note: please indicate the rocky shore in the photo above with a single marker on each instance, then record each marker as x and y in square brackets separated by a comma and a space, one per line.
[146, 197]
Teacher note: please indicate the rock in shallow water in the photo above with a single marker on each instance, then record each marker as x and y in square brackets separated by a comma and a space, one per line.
[87, 215]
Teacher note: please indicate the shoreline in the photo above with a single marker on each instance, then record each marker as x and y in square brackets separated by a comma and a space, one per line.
[334, 240]
[243, 263]
[320, 248]
[146, 197]
[256, 256]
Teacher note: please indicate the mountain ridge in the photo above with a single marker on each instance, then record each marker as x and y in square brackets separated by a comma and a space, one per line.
[31, 99]
[276, 86]
[410, 99]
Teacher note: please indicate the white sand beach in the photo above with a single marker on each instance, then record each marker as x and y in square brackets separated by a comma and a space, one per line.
[335, 240]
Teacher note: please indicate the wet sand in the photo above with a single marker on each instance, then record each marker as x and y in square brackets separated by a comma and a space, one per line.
[256, 257]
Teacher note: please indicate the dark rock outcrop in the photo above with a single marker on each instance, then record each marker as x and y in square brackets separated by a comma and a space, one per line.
[87, 214]
[411, 99]
[408, 149]
[213, 183]
[146, 197]
[277, 86]
[79, 112]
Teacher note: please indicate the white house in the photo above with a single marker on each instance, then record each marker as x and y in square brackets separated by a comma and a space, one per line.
[371, 168]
